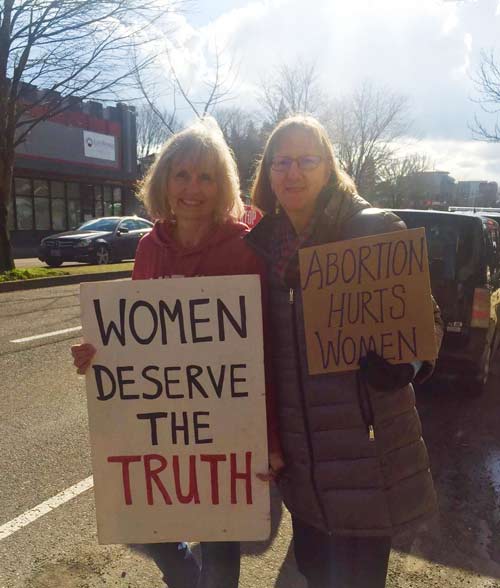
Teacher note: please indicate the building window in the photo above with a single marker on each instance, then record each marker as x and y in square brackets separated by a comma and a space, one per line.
[98, 202]
[58, 206]
[74, 205]
[42, 213]
[55, 205]
[11, 214]
[40, 188]
[42, 204]
[24, 203]
[108, 201]
[24, 209]
[117, 201]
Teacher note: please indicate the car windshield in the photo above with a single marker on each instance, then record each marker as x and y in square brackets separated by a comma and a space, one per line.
[452, 241]
[443, 242]
[100, 224]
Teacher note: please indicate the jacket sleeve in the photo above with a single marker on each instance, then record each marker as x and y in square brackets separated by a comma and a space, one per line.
[138, 272]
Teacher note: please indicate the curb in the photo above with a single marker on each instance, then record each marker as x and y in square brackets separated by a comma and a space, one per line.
[61, 281]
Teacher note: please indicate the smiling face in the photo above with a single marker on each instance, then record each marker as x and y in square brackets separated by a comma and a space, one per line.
[297, 189]
[192, 189]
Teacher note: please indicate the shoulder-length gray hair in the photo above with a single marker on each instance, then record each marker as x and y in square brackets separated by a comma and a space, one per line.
[262, 194]
[204, 143]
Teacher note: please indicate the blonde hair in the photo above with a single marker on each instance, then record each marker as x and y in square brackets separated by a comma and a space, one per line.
[204, 143]
[262, 193]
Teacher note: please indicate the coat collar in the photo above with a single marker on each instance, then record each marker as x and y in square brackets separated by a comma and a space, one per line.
[338, 209]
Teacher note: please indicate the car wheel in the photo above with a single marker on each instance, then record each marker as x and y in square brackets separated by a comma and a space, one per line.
[102, 256]
[54, 262]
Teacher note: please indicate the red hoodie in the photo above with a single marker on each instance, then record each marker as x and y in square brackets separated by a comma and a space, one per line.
[222, 253]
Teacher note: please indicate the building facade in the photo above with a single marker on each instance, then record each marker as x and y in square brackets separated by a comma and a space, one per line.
[78, 165]
[470, 193]
[435, 188]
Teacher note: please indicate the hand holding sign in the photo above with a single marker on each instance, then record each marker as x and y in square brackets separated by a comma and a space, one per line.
[382, 375]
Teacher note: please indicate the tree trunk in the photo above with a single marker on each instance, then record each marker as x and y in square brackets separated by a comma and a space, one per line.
[6, 259]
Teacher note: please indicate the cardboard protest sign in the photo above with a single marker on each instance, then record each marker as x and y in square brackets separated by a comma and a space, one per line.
[176, 404]
[367, 293]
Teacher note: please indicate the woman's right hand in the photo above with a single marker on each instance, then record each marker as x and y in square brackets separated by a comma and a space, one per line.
[276, 466]
[83, 354]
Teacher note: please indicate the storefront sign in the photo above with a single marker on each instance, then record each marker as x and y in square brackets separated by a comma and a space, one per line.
[176, 406]
[371, 293]
[99, 146]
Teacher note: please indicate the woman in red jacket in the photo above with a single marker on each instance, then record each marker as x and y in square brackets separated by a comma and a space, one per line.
[192, 190]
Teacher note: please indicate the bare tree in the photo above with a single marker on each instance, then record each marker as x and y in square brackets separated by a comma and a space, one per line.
[152, 130]
[241, 134]
[53, 52]
[157, 88]
[364, 126]
[487, 82]
[291, 89]
[218, 89]
[395, 187]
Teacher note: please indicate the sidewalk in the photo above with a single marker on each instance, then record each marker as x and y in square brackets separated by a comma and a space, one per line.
[57, 280]
[29, 262]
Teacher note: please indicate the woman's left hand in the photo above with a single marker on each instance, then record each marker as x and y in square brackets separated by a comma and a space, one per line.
[276, 465]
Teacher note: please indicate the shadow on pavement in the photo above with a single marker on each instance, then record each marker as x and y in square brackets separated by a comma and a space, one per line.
[463, 439]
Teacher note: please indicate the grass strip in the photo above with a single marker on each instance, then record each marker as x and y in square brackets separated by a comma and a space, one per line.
[99, 269]
[30, 274]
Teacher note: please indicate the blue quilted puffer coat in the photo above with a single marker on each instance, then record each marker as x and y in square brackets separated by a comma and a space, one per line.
[337, 478]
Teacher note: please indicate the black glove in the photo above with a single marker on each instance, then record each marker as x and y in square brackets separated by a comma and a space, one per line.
[382, 375]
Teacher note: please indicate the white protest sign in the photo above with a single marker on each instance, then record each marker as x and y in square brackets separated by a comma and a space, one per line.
[371, 293]
[176, 404]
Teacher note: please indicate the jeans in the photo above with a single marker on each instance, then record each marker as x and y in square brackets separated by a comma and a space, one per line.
[220, 564]
[329, 561]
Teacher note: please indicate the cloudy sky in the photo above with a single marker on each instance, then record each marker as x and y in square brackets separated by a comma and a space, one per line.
[427, 50]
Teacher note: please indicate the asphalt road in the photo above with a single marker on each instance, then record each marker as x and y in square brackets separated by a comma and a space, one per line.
[44, 450]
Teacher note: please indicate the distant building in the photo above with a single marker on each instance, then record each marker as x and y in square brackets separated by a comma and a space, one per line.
[479, 193]
[76, 166]
[431, 188]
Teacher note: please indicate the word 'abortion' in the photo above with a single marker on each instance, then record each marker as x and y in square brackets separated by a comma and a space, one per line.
[198, 320]
[164, 479]
[366, 264]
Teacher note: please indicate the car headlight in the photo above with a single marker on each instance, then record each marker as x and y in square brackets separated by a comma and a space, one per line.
[84, 243]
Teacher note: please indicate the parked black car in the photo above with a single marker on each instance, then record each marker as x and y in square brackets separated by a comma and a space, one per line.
[100, 241]
[465, 280]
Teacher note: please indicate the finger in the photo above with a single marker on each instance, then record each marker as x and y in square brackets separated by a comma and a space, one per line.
[82, 369]
[82, 355]
[83, 349]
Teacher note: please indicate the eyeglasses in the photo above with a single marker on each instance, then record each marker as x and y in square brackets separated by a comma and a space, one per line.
[304, 162]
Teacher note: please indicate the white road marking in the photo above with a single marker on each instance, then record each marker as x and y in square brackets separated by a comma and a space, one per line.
[51, 334]
[35, 513]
